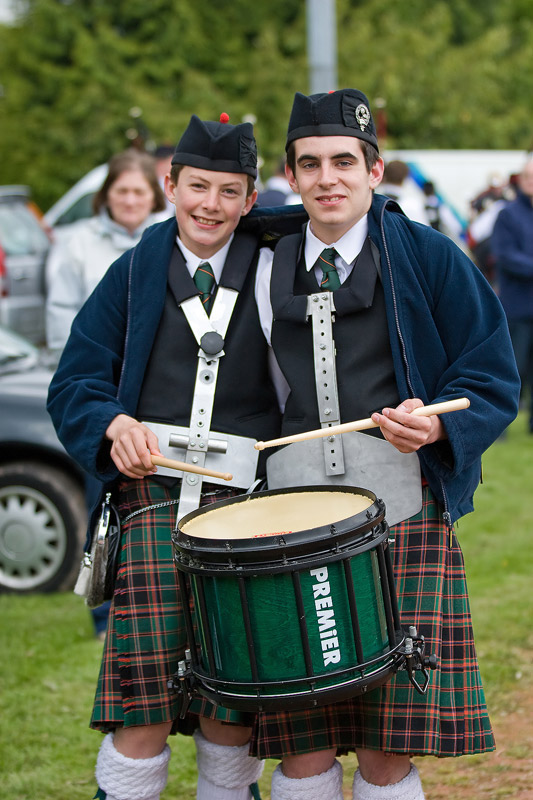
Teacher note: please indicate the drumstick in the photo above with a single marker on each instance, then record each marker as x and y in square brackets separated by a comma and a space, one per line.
[159, 461]
[365, 424]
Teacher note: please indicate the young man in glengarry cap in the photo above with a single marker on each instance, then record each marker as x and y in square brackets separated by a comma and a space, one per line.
[415, 323]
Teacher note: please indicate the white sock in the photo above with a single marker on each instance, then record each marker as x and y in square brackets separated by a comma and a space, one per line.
[326, 786]
[124, 778]
[409, 788]
[224, 772]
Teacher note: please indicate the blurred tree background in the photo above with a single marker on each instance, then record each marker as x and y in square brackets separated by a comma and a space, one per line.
[76, 74]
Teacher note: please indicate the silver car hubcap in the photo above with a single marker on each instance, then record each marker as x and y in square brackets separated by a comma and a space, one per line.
[33, 538]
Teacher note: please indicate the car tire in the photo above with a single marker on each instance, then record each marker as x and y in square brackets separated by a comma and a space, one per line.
[43, 521]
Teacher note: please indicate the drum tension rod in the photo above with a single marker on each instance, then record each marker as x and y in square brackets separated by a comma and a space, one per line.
[414, 659]
[182, 683]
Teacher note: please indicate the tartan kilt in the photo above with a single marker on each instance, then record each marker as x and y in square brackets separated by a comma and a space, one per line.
[146, 634]
[451, 719]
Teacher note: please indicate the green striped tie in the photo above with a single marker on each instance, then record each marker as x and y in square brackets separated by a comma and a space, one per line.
[205, 280]
[330, 278]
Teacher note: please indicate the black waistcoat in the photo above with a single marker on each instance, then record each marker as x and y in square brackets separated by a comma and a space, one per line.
[245, 400]
[365, 373]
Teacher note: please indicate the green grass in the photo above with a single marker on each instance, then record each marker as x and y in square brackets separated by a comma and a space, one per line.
[50, 660]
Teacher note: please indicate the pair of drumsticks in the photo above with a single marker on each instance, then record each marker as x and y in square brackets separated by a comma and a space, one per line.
[346, 427]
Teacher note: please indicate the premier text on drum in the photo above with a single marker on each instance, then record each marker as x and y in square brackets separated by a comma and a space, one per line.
[325, 617]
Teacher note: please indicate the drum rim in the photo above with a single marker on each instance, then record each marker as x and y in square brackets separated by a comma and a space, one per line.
[357, 525]
[224, 691]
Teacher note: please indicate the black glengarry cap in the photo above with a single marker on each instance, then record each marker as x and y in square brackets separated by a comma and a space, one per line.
[218, 146]
[345, 112]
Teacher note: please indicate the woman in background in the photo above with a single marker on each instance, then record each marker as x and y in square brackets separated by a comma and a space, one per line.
[124, 206]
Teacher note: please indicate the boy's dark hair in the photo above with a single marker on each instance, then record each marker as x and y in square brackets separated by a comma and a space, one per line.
[370, 154]
[124, 162]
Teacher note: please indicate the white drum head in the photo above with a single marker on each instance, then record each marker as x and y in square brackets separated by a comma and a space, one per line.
[274, 515]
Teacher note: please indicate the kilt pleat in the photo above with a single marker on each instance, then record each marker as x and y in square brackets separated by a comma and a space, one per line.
[146, 631]
[451, 719]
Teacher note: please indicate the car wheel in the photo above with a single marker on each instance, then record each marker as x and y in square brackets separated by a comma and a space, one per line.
[43, 521]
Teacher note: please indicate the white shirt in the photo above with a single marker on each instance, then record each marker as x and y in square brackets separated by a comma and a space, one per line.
[216, 261]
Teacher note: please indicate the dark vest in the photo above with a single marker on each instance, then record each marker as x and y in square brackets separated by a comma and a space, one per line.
[365, 374]
[245, 400]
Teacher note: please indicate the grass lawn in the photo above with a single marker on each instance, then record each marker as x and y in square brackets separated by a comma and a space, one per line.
[50, 660]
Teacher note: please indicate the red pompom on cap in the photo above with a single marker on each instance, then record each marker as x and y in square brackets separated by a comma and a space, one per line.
[224, 117]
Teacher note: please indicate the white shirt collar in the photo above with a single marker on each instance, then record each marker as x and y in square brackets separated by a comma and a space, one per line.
[217, 260]
[348, 246]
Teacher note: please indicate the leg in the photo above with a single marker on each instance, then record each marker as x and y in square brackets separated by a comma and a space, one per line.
[142, 741]
[385, 776]
[225, 770]
[133, 763]
[310, 776]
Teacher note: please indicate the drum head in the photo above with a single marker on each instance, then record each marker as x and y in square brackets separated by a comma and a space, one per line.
[276, 513]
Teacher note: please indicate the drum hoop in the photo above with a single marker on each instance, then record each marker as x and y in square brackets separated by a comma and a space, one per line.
[196, 550]
[241, 563]
[220, 691]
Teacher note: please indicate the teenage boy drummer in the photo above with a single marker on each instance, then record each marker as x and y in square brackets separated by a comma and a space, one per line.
[414, 322]
[130, 376]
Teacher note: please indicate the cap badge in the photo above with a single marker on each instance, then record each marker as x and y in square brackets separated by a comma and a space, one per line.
[362, 116]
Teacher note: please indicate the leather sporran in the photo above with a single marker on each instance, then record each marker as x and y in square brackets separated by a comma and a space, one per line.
[98, 570]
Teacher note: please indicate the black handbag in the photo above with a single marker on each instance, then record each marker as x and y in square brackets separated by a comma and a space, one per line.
[96, 581]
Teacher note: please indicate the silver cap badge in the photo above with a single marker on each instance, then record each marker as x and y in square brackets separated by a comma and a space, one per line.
[362, 116]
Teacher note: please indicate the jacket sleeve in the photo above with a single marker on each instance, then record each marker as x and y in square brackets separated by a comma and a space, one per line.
[506, 246]
[468, 353]
[82, 398]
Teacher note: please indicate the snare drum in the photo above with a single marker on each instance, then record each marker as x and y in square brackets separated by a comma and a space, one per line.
[289, 597]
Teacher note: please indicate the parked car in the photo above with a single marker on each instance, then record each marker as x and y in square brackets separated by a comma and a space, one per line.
[43, 516]
[76, 203]
[23, 250]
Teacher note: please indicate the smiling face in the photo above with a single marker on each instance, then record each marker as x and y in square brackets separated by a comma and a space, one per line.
[209, 206]
[130, 199]
[331, 176]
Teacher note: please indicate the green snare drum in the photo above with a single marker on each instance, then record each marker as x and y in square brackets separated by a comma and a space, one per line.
[292, 597]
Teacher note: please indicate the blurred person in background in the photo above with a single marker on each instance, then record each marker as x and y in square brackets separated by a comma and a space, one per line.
[485, 208]
[123, 209]
[397, 186]
[512, 248]
[277, 191]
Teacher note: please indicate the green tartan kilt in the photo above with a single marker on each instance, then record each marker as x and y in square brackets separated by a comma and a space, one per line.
[146, 634]
[451, 719]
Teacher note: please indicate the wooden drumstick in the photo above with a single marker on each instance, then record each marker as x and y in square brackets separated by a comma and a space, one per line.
[364, 424]
[159, 461]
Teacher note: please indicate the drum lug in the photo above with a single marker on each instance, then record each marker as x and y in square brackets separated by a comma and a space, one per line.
[414, 659]
[182, 683]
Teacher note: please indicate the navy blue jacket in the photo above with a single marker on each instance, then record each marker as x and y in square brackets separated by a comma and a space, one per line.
[449, 339]
[101, 371]
[512, 247]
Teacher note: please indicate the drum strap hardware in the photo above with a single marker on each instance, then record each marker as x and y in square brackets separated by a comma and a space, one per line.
[414, 660]
[321, 309]
[209, 332]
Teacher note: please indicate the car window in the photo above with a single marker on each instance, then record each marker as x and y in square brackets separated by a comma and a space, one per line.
[81, 209]
[15, 349]
[20, 232]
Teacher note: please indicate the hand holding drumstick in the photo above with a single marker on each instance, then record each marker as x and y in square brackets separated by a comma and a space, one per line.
[406, 431]
[135, 451]
[408, 427]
